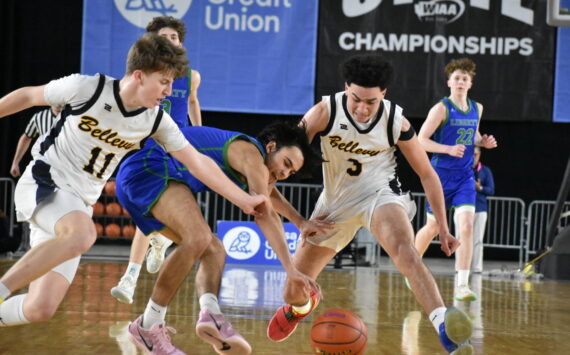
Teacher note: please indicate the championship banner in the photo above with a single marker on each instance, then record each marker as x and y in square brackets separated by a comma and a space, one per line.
[508, 40]
[245, 243]
[255, 56]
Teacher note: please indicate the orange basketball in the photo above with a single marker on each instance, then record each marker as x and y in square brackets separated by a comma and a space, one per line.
[99, 228]
[338, 331]
[128, 231]
[98, 208]
[109, 188]
[113, 209]
[126, 213]
[112, 230]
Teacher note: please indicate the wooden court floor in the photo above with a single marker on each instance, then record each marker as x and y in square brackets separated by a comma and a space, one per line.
[511, 317]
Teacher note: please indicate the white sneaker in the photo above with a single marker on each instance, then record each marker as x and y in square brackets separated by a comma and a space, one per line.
[125, 290]
[464, 293]
[155, 254]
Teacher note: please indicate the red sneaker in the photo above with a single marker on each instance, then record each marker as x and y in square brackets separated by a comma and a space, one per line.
[285, 320]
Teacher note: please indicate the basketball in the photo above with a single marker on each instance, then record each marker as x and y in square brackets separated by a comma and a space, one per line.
[338, 331]
[110, 188]
[112, 230]
[98, 208]
[99, 229]
[113, 209]
[128, 231]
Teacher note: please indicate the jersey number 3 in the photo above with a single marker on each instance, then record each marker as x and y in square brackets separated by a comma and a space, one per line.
[355, 169]
[94, 155]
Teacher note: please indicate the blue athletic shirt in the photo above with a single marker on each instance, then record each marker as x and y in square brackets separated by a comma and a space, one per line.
[176, 105]
[212, 142]
[459, 127]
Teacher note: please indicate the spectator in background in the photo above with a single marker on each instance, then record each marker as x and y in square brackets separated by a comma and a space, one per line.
[39, 124]
[485, 186]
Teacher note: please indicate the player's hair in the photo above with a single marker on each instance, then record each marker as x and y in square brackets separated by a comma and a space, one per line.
[289, 134]
[160, 22]
[368, 70]
[465, 64]
[152, 53]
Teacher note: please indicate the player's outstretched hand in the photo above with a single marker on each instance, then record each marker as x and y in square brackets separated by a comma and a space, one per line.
[456, 150]
[448, 243]
[253, 205]
[488, 141]
[305, 283]
[317, 225]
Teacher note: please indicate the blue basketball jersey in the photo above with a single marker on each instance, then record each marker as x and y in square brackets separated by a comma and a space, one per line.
[210, 141]
[459, 127]
[144, 176]
[176, 105]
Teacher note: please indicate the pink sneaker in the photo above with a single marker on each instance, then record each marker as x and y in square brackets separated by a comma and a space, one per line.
[216, 330]
[153, 341]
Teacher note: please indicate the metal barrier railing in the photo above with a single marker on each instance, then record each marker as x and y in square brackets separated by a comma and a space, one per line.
[539, 214]
[7, 202]
[505, 222]
[215, 207]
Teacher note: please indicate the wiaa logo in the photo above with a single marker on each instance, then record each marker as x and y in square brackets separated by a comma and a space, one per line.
[241, 243]
[439, 10]
[442, 10]
[140, 12]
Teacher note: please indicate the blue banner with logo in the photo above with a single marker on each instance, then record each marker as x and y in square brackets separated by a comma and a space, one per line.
[561, 112]
[256, 56]
[245, 243]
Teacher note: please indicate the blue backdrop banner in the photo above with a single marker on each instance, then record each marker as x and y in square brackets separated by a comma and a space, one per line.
[561, 111]
[245, 243]
[256, 56]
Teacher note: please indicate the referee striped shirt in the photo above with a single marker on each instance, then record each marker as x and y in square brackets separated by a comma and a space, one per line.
[40, 123]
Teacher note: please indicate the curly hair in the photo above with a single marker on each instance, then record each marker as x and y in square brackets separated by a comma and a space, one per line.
[465, 64]
[288, 134]
[368, 70]
[160, 22]
[152, 53]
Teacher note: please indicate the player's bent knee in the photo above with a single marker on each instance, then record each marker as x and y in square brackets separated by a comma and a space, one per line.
[41, 311]
[196, 243]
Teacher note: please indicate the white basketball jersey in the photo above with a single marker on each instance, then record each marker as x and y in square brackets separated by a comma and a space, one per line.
[85, 146]
[358, 162]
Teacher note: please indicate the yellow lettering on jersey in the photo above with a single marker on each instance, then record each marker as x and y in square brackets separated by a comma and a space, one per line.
[352, 147]
[88, 123]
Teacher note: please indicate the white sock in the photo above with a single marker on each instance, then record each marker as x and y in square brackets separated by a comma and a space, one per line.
[437, 316]
[153, 314]
[162, 241]
[4, 292]
[304, 309]
[133, 270]
[209, 301]
[12, 311]
[462, 277]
